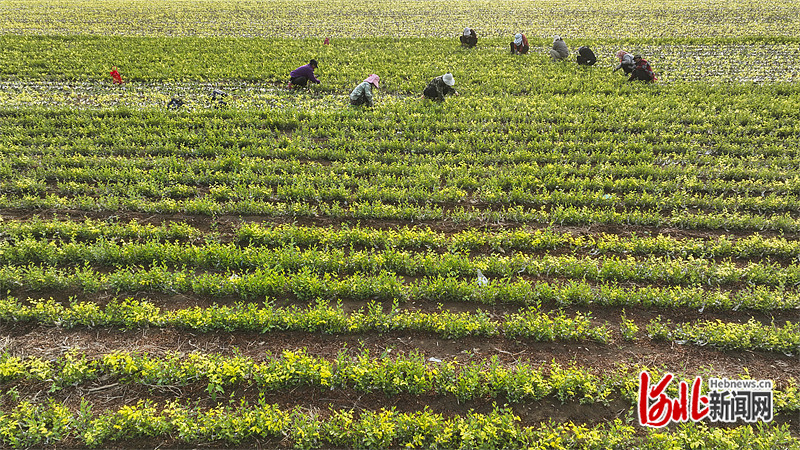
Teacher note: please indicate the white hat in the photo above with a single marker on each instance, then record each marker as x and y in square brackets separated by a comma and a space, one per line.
[448, 79]
[467, 31]
[517, 39]
[556, 38]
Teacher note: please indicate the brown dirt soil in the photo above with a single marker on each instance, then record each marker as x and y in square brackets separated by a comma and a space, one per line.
[28, 339]
[51, 342]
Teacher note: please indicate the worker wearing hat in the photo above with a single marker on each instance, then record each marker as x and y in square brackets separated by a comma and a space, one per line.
[439, 87]
[520, 44]
[303, 74]
[362, 94]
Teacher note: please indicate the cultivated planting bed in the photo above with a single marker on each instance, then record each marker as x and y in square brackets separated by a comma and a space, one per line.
[495, 271]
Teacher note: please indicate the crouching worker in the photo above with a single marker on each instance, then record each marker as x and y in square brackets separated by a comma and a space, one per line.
[218, 98]
[642, 71]
[439, 87]
[175, 103]
[362, 94]
[625, 62]
[115, 76]
[586, 56]
[520, 44]
[469, 38]
[303, 74]
[559, 52]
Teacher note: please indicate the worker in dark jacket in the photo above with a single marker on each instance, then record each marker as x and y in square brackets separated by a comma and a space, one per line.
[520, 44]
[303, 74]
[586, 56]
[642, 71]
[469, 38]
[439, 87]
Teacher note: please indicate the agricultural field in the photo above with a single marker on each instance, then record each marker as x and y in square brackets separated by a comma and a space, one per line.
[499, 270]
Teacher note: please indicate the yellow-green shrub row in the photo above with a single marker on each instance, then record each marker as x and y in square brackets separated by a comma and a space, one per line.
[345, 18]
[323, 317]
[320, 317]
[74, 70]
[289, 259]
[29, 425]
[411, 373]
[422, 238]
[554, 154]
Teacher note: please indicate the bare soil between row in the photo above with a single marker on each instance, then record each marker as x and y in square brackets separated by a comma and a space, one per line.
[50, 342]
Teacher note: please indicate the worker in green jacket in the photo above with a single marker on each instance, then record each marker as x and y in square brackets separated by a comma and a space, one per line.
[362, 94]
